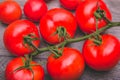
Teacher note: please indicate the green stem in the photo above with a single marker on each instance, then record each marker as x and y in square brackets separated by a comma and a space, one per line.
[27, 62]
[29, 41]
[100, 14]
[97, 42]
[55, 52]
[112, 24]
[106, 19]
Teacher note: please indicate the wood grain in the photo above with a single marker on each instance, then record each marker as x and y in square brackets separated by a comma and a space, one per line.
[89, 74]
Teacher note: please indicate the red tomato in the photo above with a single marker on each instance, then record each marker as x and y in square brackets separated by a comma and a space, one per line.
[70, 4]
[10, 11]
[102, 57]
[85, 15]
[0, 10]
[23, 74]
[14, 37]
[35, 9]
[54, 19]
[69, 66]
[119, 41]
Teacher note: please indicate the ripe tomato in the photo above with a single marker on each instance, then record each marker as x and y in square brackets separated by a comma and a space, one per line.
[102, 57]
[54, 19]
[35, 9]
[69, 66]
[9, 11]
[70, 4]
[85, 15]
[14, 37]
[11, 72]
[0, 10]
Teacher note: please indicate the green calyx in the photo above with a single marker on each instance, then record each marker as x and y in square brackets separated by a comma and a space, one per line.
[62, 33]
[97, 40]
[28, 40]
[56, 51]
[27, 65]
[100, 14]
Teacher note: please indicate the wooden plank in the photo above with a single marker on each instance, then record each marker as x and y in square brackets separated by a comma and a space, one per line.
[89, 74]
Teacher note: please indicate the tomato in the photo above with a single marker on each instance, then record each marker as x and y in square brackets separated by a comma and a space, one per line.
[119, 43]
[0, 10]
[10, 11]
[69, 66]
[70, 4]
[35, 9]
[14, 37]
[55, 19]
[85, 15]
[102, 57]
[11, 72]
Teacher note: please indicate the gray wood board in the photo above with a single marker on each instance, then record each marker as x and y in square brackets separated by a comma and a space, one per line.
[89, 74]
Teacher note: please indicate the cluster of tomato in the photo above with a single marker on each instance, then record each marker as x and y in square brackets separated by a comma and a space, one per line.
[57, 25]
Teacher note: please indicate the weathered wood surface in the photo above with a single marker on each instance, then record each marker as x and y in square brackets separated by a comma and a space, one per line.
[89, 74]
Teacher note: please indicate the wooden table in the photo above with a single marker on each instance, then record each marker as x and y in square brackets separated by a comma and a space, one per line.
[89, 74]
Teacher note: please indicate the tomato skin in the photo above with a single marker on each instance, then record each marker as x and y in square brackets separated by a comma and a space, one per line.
[14, 34]
[70, 4]
[23, 74]
[53, 19]
[0, 10]
[85, 15]
[103, 57]
[10, 11]
[69, 66]
[35, 9]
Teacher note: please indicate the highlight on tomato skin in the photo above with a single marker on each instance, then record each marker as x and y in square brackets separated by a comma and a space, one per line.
[102, 57]
[10, 11]
[35, 9]
[14, 35]
[70, 4]
[69, 66]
